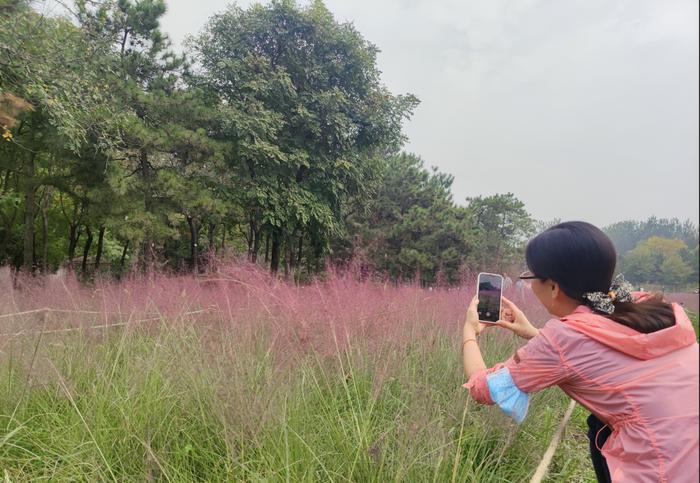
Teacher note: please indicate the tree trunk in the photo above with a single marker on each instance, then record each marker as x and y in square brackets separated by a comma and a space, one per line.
[7, 220]
[267, 248]
[73, 226]
[100, 244]
[73, 242]
[34, 260]
[147, 176]
[275, 255]
[223, 238]
[256, 245]
[6, 181]
[86, 250]
[29, 214]
[123, 258]
[287, 256]
[212, 231]
[249, 239]
[45, 233]
[299, 248]
[194, 237]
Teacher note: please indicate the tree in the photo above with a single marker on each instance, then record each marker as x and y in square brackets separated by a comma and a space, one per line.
[692, 258]
[542, 225]
[56, 73]
[658, 260]
[149, 85]
[639, 265]
[674, 271]
[410, 226]
[503, 225]
[627, 234]
[307, 116]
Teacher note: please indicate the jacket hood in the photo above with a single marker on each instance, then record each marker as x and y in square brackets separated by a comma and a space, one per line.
[629, 341]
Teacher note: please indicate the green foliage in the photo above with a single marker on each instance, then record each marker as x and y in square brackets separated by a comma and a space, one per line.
[694, 320]
[276, 138]
[627, 234]
[307, 116]
[53, 66]
[503, 225]
[62, 133]
[411, 227]
[280, 130]
[660, 261]
[674, 271]
[639, 265]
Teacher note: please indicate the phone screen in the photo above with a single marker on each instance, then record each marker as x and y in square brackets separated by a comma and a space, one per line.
[489, 295]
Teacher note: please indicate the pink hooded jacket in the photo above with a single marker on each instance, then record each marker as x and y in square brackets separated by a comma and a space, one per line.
[643, 386]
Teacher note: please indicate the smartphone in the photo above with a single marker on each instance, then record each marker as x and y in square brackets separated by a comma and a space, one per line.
[489, 292]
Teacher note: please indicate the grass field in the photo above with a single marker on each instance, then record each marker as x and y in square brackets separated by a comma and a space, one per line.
[246, 379]
[173, 408]
[694, 319]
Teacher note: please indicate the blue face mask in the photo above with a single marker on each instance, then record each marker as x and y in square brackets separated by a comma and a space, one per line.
[507, 395]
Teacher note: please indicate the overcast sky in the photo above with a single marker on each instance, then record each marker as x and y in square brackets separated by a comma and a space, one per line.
[584, 109]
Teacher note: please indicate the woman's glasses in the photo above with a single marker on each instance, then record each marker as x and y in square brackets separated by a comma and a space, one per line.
[527, 275]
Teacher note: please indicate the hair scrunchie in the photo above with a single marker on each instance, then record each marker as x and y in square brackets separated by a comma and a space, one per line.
[620, 290]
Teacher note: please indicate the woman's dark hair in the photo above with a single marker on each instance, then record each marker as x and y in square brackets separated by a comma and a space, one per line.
[581, 258]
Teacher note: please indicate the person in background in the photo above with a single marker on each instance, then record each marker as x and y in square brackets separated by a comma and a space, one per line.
[507, 282]
[631, 359]
[520, 287]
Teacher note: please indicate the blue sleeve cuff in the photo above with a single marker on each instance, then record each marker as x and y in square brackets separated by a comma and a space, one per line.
[507, 395]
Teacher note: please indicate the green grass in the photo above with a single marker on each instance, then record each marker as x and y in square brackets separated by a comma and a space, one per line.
[217, 404]
[176, 405]
[693, 316]
[572, 461]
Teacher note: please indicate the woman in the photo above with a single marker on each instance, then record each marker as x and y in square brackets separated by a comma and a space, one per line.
[631, 359]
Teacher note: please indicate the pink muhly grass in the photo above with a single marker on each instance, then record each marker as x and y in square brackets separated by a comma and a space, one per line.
[687, 300]
[324, 315]
[253, 354]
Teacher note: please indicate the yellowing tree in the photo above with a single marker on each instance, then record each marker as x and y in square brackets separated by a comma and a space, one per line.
[658, 260]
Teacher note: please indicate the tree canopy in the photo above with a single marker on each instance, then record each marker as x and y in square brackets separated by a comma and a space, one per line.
[272, 136]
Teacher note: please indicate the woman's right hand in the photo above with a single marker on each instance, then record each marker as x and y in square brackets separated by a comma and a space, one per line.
[512, 318]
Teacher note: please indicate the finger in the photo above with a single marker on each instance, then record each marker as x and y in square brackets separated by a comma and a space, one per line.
[474, 303]
[510, 304]
[506, 314]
